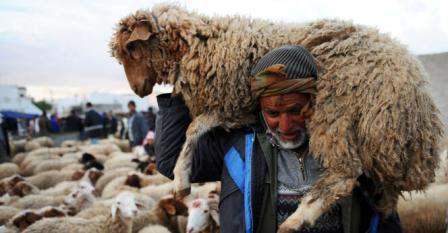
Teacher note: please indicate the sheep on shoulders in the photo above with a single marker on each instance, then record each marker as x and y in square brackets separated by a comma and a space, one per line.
[209, 62]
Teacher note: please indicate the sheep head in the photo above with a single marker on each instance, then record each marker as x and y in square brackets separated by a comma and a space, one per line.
[80, 198]
[22, 189]
[94, 175]
[51, 212]
[203, 213]
[136, 45]
[25, 219]
[125, 206]
[151, 44]
[133, 180]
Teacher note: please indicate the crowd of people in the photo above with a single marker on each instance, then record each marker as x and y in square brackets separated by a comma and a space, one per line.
[137, 127]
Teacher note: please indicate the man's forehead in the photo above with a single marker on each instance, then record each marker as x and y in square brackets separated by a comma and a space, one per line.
[284, 100]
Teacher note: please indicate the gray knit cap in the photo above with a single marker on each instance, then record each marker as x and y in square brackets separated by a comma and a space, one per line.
[299, 63]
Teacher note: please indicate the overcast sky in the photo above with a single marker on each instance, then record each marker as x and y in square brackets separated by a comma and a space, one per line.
[59, 48]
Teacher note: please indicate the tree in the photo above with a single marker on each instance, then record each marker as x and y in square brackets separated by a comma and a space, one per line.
[43, 105]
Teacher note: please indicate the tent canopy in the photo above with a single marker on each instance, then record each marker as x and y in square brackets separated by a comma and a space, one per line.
[20, 115]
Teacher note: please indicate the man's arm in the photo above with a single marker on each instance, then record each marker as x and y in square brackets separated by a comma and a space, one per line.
[171, 125]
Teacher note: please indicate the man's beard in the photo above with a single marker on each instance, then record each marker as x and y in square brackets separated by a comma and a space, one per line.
[300, 139]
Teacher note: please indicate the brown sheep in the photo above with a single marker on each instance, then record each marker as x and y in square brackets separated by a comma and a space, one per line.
[372, 114]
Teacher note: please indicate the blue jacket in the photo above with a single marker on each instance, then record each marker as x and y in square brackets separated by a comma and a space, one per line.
[139, 129]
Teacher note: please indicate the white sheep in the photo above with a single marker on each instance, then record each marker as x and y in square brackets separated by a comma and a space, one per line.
[119, 220]
[8, 169]
[48, 179]
[17, 145]
[71, 143]
[65, 187]
[53, 164]
[120, 160]
[165, 213]
[44, 141]
[6, 213]
[95, 207]
[105, 149]
[36, 201]
[110, 175]
[32, 145]
[203, 216]
[25, 218]
[81, 197]
[18, 158]
[31, 161]
[154, 229]
[158, 191]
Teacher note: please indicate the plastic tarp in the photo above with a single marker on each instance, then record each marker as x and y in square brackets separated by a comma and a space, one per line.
[19, 115]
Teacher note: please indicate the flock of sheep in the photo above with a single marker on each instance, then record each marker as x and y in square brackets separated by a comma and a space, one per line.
[81, 187]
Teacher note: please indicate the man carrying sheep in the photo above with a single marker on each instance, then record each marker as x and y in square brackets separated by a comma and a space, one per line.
[281, 169]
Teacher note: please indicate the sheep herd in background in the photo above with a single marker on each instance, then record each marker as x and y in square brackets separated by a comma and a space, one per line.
[103, 187]
[106, 188]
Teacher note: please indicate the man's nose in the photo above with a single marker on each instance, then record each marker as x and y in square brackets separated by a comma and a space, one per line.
[284, 124]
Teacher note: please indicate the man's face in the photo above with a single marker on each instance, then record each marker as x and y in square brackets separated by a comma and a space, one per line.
[131, 108]
[284, 117]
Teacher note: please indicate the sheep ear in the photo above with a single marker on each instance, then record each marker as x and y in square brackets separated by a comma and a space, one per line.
[170, 209]
[215, 216]
[140, 32]
[114, 209]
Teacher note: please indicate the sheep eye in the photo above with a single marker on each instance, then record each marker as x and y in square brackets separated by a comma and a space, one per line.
[205, 211]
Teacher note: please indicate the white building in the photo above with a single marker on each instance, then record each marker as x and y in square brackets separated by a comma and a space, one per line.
[14, 99]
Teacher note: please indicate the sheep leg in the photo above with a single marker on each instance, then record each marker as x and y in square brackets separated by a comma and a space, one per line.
[200, 125]
[317, 202]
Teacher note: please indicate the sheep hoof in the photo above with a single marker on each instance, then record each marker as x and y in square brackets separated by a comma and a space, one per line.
[179, 194]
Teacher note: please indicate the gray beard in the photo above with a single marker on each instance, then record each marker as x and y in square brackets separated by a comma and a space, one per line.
[299, 141]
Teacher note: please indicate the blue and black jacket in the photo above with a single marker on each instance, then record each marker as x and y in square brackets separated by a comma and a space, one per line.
[242, 160]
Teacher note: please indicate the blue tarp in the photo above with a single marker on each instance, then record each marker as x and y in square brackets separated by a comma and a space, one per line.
[13, 114]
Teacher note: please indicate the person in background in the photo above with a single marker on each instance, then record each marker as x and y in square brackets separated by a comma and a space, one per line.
[148, 143]
[43, 123]
[32, 127]
[106, 124]
[93, 123]
[137, 126]
[73, 122]
[113, 123]
[54, 123]
[5, 152]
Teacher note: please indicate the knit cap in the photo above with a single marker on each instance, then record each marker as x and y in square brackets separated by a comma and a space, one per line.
[299, 63]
